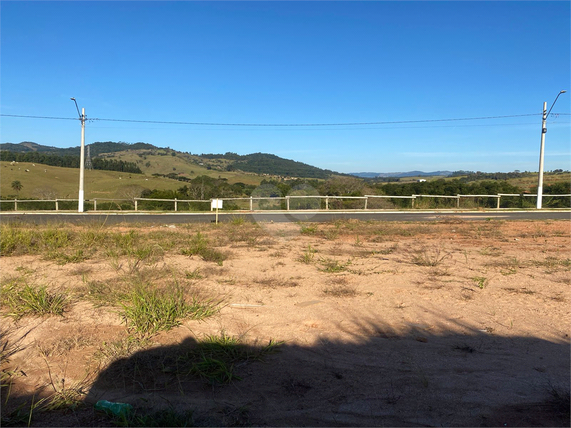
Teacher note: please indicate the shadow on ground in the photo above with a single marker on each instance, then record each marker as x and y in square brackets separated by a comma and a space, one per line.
[379, 378]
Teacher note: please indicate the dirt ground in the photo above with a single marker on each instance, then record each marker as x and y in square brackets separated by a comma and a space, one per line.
[451, 323]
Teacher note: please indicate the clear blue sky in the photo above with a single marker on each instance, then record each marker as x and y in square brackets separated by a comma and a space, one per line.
[296, 63]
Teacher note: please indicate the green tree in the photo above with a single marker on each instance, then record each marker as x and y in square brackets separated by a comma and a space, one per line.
[17, 186]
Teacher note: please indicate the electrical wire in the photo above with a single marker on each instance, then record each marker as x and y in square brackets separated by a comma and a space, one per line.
[309, 124]
[284, 124]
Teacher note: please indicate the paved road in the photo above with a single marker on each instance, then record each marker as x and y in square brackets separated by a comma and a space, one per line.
[279, 217]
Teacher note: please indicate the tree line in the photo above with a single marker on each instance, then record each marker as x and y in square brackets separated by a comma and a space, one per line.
[69, 161]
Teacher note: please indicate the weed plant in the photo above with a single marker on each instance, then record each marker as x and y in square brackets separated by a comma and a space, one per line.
[308, 255]
[429, 257]
[333, 266]
[149, 310]
[62, 258]
[199, 245]
[215, 357]
[480, 281]
[109, 352]
[23, 300]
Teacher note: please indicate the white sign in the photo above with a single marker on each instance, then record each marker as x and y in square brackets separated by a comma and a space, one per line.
[216, 204]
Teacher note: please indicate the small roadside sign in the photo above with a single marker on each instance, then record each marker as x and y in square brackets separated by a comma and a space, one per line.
[216, 204]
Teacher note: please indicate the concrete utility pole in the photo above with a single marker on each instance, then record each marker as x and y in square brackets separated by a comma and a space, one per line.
[542, 149]
[82, 118]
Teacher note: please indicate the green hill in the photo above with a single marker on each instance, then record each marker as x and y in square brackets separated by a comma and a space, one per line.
[156, 160]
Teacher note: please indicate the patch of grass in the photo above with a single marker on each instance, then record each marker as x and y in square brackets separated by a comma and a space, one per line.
[276, 282]
[238, 220]
[480, 281]
[149, 310]
[430, 256]
[102, 293]
[333, 266]
[27, 300]
[199, 245]
[16, 241]
[215, 357]
[195, 274]
[65, 344]
[508, 266]
[491, 251]
[387, 250]
[522, 290]
[553, 264]
[54, 238]
[331, 234]
[340, 290]
[8, 347]
[22, 415]
[62, 258]
[436, 273]
[308, 229]
[308, 255]
[121, 348]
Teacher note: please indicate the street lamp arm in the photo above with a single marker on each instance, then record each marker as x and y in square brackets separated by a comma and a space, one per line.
[77, 108]
[561, 92]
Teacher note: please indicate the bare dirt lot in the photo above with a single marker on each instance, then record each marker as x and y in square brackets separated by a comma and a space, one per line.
[448, 323]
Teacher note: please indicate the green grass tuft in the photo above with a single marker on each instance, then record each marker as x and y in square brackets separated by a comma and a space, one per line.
[149, 310]
[31, 300]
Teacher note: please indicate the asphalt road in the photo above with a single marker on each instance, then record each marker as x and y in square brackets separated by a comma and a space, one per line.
[278, 217]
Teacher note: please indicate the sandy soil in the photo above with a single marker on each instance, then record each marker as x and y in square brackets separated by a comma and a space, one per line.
[373, 335]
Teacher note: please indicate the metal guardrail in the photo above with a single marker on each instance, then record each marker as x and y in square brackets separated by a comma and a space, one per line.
[287, 199]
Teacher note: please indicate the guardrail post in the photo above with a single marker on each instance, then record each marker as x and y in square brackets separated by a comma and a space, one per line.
[15, 205]
[412, 201]
[94, 204]
[287, 203]
[498, 202]
[251, 204]
[327, 202]
[175, 205]
[366, 200]
[136, 204]
[57, 205]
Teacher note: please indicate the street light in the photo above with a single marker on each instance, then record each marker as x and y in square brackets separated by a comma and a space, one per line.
[542, 147]
[82, 118]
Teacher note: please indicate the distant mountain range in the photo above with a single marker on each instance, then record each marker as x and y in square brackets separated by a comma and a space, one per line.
[401, 174]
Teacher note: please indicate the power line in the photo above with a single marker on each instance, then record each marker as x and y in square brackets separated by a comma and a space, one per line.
[284, 124]
[39, 117]
[310, 124]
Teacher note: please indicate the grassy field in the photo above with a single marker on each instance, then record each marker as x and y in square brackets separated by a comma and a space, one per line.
[530, 182]
[64, 182]
[188, 165]
[48, 182]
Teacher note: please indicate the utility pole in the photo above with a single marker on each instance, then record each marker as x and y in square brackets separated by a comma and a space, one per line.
[542, 149]
[82, 118]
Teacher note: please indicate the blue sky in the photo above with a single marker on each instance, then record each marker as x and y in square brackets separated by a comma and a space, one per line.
[296, 63]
